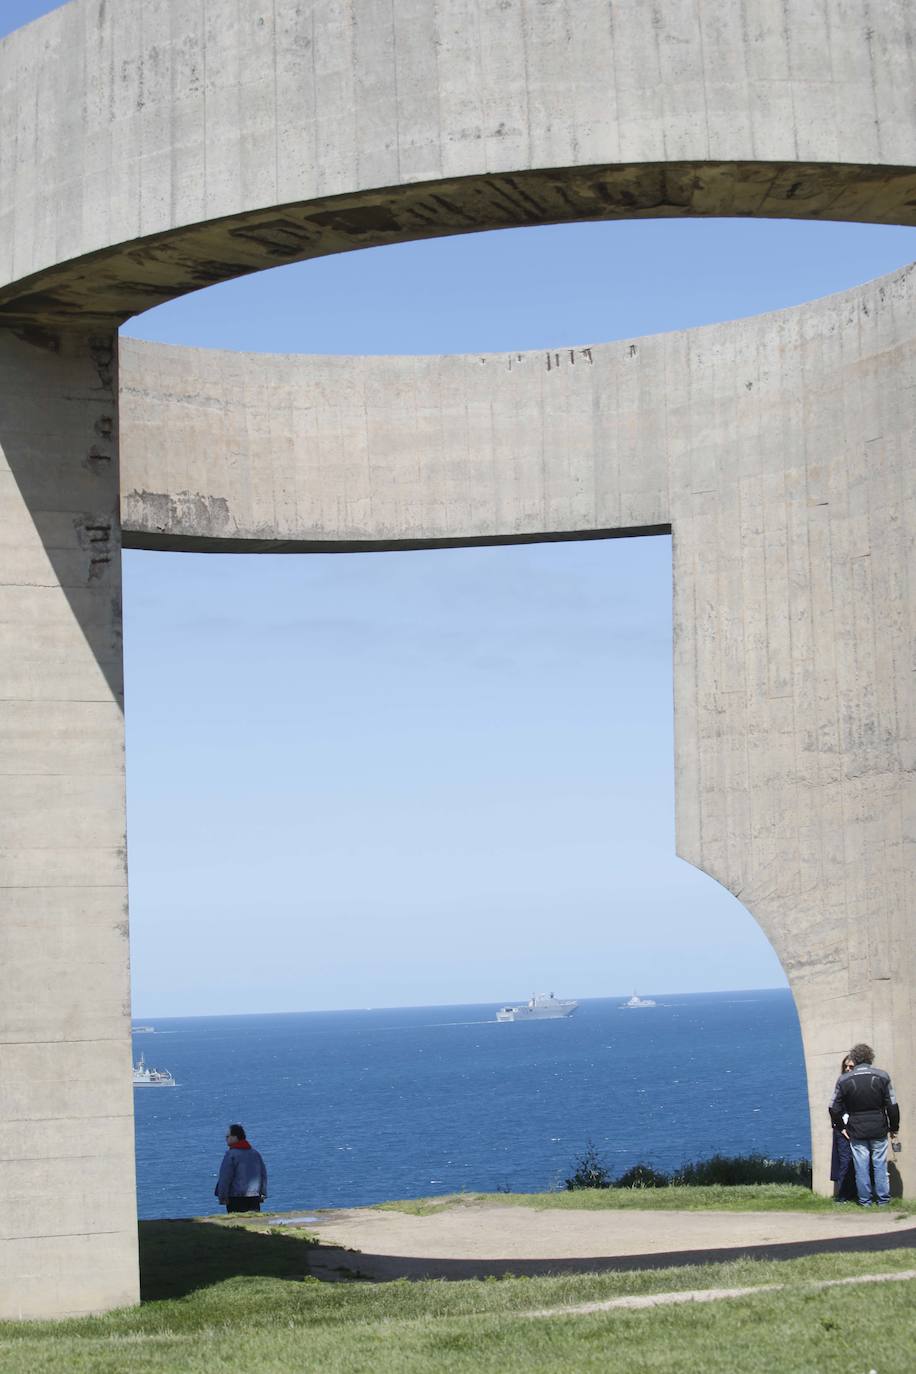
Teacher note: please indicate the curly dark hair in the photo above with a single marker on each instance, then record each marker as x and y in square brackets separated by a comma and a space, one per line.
[862, 1054]
[237, 1130]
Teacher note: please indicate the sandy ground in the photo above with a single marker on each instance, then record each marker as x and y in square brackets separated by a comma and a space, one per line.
[479, 1239]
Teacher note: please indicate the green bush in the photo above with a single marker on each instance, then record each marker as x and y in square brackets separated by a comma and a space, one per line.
[732, 1170]
[590, 1171]
[641, 1176]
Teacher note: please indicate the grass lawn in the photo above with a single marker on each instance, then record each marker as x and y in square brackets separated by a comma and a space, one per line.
[758, 1197]
[236, 1298]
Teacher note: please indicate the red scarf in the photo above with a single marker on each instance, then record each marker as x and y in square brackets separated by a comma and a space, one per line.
[240, 1145]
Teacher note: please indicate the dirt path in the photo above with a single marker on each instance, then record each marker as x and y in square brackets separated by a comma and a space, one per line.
[471, 1240]
[488, 1231]
[712, 1295]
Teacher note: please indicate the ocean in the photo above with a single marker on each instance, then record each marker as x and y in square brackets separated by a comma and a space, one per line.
[355, 1107]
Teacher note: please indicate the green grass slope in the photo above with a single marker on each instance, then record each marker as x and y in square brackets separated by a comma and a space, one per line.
[759, 1197]
[222, 1297]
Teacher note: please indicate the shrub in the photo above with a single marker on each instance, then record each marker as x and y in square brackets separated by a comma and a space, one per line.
[732, 1170]
[589, 1170]
[641, 1176]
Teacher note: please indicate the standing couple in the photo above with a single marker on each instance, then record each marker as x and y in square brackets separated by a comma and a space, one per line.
[863, 1111]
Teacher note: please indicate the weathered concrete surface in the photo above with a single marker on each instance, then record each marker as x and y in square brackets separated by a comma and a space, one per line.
[776, 448]
[67, 1206]
[148, 147]
[151, 147]
[244, 451]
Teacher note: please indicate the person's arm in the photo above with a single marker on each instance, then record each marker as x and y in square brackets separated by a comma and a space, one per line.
[837, 1110]
[226, 1174]
[891, 1109]
[263, 1179]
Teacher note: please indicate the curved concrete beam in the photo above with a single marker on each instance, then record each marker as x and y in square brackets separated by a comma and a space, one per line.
[155, 148]
[248, 452]
[150, 147]
[251, 452]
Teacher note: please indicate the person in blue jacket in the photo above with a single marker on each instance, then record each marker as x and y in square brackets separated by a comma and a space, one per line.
[242, 1182]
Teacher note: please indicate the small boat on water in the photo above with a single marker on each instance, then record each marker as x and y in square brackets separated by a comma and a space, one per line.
[542, 1006]
[634, 1002]
[145, 1077]
[140, 1030]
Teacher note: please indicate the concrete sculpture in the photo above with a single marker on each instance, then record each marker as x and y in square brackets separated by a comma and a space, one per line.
[151, 147]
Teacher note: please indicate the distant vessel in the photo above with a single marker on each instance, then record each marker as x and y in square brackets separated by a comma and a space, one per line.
[152, 1078]
[635, 1001]
[138, 1030]
[542, 1006]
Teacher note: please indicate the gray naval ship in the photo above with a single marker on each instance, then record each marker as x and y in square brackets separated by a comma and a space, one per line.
[145, 1077]
[543, 1006]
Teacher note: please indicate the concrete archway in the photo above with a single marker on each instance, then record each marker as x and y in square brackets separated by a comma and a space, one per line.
[179, 144]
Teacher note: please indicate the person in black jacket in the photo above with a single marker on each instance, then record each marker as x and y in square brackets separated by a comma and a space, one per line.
[865, 1096]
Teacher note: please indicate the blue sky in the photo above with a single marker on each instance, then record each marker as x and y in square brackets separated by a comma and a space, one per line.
[390, 779]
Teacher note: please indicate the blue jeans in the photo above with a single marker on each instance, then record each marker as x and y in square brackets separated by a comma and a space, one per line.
[874, 1151]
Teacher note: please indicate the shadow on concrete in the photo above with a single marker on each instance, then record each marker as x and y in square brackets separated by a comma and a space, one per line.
[58, 439]
[181, 1257]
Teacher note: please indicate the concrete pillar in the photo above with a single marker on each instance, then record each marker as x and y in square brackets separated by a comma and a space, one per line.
[794, 524]
[68, 1231]
[802, 794]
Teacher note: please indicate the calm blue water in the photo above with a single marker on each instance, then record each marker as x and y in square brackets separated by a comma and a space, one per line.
[355, 1107]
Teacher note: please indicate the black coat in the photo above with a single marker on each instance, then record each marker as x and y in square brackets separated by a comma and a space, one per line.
[866, 1095]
